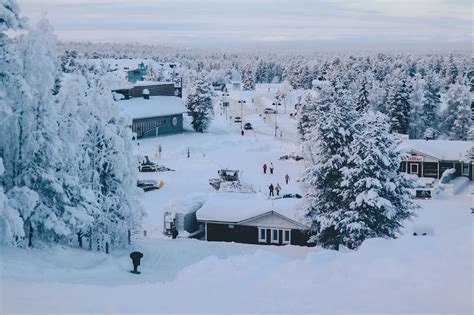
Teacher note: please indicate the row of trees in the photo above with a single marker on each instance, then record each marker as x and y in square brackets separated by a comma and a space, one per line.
[66, 163]
[351, 186]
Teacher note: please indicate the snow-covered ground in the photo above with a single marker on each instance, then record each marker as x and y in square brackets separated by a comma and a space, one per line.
[413, 274]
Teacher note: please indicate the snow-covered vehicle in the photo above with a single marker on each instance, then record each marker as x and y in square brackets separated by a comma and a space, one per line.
[237, 119]
[269, 111]
[146, 165]
[148, 185]
[297, 196]
[229, 181]
[248, 126]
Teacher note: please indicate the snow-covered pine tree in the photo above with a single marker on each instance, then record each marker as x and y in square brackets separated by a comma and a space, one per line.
[416, 102]
[399, 106]
[326, 153]
[363, 98]
[307, 114]
[429, 118]
[248, 80]
[376, 196]
[456, 118]
[199, 103]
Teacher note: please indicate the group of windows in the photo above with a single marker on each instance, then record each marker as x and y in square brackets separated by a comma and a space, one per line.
[144, 126]
[274, 235]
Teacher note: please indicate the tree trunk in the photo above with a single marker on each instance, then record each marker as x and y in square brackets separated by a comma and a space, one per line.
[129, 237]
[30, 236]
[79, 239]
[106, 247]
[90, 239]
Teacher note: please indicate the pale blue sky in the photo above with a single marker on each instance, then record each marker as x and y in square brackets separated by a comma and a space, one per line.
[325, 24]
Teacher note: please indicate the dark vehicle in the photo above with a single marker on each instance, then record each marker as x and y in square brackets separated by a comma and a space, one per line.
[248, 126]
[297, 196]
[237, 119]
[148, 185]
[291, 156]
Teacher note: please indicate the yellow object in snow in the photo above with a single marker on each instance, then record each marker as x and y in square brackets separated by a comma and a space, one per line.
[161, 184]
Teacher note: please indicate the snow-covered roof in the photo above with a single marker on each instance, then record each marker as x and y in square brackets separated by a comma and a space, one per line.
[445, 150]
[234, 208]
[138, 107]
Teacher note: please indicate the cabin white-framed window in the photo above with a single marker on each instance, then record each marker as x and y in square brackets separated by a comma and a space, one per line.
[275, 235]
[262, 235]
[286, 237]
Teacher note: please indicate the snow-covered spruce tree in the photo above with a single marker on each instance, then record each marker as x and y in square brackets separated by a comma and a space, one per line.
[307, 114]
[376, 196]
[429, 118]
[416, 102]
[399, 106]
[199, 104]
[456, 118]
[363, 98]
[326, 153]
[248, 80]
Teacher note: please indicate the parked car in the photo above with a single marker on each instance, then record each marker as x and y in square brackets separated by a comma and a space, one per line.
[297, 196]
[291, 156]
[148, 185]
[269, 111]
[237, 119]
[248, 126]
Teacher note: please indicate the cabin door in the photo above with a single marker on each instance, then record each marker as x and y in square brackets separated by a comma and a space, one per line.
[414, 168]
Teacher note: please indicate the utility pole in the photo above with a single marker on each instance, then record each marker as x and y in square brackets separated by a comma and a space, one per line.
[276, 118]
[241, 102]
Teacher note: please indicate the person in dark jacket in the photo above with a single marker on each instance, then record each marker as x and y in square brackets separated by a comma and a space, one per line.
[277, 189]
[287, 178]
[264, 168]
[174, 232]
[271, 188]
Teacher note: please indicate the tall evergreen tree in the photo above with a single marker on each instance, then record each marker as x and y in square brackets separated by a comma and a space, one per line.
[457, 115]
[248, 80]
[429, 119]
[363, 98]
[199, 104]
[326, 153]
[399, 107]
[376, 197]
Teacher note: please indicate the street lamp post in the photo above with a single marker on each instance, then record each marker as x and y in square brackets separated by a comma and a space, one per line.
[241, 102]
[276, 117]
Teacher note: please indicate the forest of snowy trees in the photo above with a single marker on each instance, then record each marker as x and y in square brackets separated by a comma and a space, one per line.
[425, 96]
[67, 172]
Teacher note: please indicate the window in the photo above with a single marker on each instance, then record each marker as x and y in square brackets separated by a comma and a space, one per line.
[465, 169]
[275, 236]
[262, 235]
[286, 237]
[231, 226]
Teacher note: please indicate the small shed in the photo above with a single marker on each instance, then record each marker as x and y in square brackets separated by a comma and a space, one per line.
[252, 219]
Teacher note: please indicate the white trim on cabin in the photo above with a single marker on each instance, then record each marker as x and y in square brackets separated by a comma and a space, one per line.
[260, 239]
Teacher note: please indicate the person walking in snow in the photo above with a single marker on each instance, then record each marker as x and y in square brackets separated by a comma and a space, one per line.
[270, 188]
[242, 132]
[271, 167]
[287, 178]
[264, 168]
[277, 189]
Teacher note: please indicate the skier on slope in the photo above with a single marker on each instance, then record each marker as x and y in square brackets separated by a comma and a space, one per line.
[277, 189]
[270, 189]
[264, 168]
